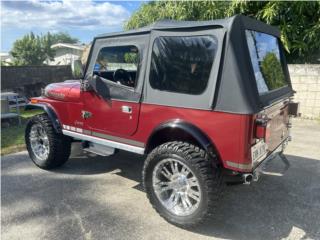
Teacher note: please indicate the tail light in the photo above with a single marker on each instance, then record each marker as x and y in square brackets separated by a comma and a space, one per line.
[262, 130]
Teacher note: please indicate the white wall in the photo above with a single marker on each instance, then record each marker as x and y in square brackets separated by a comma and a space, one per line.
[65, 56]
[306, 82]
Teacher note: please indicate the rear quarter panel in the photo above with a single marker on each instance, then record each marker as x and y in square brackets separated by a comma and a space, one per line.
[230, 133]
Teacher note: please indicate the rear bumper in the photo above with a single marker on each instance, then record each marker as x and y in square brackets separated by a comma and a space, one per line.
[251, 167]
[237, 177]
[277, 153]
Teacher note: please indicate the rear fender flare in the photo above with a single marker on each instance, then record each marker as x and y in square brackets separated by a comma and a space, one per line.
[197, 134]
[50, 112]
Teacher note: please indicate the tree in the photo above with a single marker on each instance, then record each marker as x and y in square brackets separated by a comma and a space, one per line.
[272, 71]
[299, 22]
[63, 37]
[34, 49]
[30, 50]
[177, 10]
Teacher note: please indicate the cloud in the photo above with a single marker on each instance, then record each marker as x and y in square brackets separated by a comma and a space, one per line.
[64, 14]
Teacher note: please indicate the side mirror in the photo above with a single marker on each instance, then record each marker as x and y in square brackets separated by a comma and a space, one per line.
[100, 87]
[77, 69]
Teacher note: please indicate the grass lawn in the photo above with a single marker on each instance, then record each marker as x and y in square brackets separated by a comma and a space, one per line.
[12, 137]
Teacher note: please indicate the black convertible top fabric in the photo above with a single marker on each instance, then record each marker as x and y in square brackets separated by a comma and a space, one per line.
[171, 24]
[236, 90]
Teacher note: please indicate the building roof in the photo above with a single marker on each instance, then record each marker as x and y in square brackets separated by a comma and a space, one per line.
[6, 57]
[68, 45]
[5, 54]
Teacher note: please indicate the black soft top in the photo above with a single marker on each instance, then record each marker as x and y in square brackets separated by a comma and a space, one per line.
[235, 90]
[172, 24]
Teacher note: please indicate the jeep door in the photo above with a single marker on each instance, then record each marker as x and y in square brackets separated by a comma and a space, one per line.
[116, 73]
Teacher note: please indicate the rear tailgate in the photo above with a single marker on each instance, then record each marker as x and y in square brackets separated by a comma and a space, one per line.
[277, 128]
[275, 120]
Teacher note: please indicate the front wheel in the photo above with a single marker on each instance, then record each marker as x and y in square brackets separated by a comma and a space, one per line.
[47, 148]
[182, 183]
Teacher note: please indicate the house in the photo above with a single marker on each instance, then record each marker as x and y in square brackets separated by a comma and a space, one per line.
[6, 58]
[66, 53]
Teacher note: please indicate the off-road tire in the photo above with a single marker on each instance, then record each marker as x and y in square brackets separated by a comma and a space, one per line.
[59, 144]
[206, 169]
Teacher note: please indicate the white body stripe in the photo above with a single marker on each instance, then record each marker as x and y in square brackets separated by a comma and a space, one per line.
[104, 142]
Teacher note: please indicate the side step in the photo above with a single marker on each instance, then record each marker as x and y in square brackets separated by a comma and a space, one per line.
[97, 149]
[104, 142]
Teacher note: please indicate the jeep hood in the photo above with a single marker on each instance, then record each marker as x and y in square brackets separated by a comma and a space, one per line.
[68, 91]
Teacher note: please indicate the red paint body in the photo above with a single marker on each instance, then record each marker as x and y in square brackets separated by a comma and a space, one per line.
[232, 134]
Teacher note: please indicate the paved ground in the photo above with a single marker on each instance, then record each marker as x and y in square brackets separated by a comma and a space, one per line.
[100, 198]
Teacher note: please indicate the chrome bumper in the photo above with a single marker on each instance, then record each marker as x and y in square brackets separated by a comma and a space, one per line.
[278, 152]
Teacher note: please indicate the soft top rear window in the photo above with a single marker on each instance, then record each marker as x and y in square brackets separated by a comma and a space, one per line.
[266, 61]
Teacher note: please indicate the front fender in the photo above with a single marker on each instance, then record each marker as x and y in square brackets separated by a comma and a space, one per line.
[49, 111]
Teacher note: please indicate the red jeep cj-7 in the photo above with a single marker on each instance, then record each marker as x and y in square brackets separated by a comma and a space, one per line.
[202, 100]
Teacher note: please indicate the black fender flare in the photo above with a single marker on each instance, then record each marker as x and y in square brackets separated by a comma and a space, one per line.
[50, 112]
[203, 140]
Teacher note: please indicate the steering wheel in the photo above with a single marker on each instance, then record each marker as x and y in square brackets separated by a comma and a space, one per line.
[123, 77]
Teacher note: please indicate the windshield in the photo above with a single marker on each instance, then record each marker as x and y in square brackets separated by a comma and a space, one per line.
[265, 59]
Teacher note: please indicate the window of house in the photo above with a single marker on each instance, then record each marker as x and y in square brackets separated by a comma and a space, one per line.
[118, 64]
[182, 64]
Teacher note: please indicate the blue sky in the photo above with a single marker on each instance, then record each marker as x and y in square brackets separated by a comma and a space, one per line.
[82, 19]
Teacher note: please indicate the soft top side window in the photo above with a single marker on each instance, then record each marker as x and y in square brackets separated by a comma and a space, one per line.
[118, 64]
[182, 64]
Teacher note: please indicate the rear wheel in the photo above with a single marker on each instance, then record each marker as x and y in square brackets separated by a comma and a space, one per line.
[47, 149]
[182, 183]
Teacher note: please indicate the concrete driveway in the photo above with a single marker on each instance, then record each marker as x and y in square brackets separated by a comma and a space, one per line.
[101, 198]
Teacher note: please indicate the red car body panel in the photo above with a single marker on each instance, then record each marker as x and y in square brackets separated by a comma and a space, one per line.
[228, 138]
[107, 116]
[231, 134]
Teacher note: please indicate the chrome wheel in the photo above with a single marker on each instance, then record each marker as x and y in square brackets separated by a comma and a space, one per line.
[39, 141]
[176, 187]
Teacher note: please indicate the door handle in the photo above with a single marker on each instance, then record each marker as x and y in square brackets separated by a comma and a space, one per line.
[126, 109]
